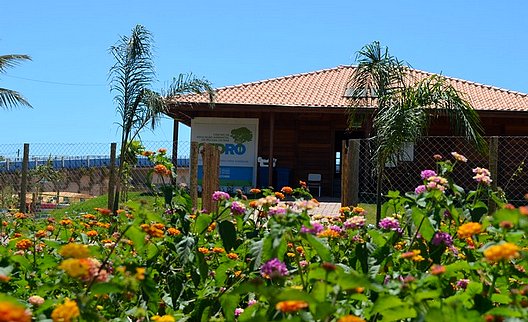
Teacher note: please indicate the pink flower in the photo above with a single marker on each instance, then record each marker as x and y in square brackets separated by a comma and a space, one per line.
[36, 300]
[238, 311]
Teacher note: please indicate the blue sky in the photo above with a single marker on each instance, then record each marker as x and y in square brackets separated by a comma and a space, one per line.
[231, 42]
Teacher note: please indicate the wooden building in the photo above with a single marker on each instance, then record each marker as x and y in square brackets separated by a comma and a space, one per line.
[302, 119]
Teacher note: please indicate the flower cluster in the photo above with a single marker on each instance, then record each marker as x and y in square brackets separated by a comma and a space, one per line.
[220, 195]
[11, 312]
[469, 229]
[390, 223]
[355, 222]
[482, 175]
[66, 312]
[442, 238]
[459, 157]
[504, 251]
[273, 268]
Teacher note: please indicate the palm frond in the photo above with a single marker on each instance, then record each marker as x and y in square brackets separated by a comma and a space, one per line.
[10, 99]
[186, 84]
[8, 61]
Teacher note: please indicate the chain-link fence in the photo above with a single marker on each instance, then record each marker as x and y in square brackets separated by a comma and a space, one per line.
[59, 174]
[404, 175]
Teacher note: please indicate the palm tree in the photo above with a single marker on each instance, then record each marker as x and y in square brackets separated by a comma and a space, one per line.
[405, 106]
[10, 98]
[138, 105]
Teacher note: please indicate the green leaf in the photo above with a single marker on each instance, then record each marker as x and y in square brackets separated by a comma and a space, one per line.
[229, 304]
[106, 288]
[203, 268]
[227, 234]
[426, 295]
[137, 236]
[320, 247]
[421, 220]
[377, 237]
[398, 314]
[504, 311]
[202, 222]
[506, 215]
[392, 308]
[501, 298]
[175, 285]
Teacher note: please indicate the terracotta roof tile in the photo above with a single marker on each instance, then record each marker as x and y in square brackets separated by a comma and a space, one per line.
[326, 88]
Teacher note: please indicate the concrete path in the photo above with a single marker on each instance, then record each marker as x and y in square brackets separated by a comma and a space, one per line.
[326, 208]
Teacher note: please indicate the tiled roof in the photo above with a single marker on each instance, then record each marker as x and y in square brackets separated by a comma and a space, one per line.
[326, 88]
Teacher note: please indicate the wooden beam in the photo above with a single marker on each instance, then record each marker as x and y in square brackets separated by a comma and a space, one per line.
[271, 138]
[175, 143]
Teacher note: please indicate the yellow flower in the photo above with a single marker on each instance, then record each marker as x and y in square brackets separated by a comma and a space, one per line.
[165, 318]
[13, 312]
[140, 273]
[291, 306]
[74, 251]
[350, 318]
[75, 267]
[505, 251]
[65, 312]
[469, 229]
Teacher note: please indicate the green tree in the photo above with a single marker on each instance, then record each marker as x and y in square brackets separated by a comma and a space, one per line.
[405, 106]
[10, 98]
[139, 106]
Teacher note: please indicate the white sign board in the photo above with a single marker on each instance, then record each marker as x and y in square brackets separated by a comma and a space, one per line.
[237, 139]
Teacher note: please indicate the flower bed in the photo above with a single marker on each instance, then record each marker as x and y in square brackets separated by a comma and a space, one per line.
[437, 253]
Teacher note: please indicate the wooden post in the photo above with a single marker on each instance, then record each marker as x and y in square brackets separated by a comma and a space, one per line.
[112, 178]
[175, 144]
[345, 178]
[24, 179]
[208, 177]
[194, 174]
[353, 163]
[271, 139]
[494, 169]
[350, 173]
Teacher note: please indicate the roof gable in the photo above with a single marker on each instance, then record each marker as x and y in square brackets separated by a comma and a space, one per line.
[326, 88]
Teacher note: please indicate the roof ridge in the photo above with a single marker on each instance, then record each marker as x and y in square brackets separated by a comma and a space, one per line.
[284, 77]
[471, 82]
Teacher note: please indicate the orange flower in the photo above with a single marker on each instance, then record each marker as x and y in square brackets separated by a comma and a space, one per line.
[438, 269]
[159, 225]
[104, 211]
[414, 255]
[50, 228]
[302, 184]
[505, 251]
[469, 229]
[253, 204]
[89, 217]
[66, 222]
[173, 231]
[218, 250]
[523, 210]
[350, 318]
[287, 190]
[13, 312]
[91, 233]
[342, 210]
[211, 227]
[279, 195]
[203, 250]
[41, 233]
[291, 306]
[255, 191]
[328, 233]
[160, 169]
[232, 256]
[20, 215]
[23, 244]
[4, 278]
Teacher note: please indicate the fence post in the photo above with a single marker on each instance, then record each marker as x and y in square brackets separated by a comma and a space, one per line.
[345, 178]
[350, 173]
[112, 179]
[210, 179]
[193, 184]
[24, 179]
[494, 169]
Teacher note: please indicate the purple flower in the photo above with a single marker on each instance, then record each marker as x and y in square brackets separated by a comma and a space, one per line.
[279, 211]
[251, 302]
[462, 283]
[355, 222]
[237, 208]
[421, 188]
[220, 195]
[442, 238]
[273, 268]
[389, 223]
[336, 228]
[314, 230]
[425, 174]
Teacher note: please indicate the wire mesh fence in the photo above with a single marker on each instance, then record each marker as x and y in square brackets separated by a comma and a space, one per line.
[59, 174]
[404, 175]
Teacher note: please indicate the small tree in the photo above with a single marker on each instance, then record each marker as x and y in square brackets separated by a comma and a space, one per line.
[138, 105]
[404, 106]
